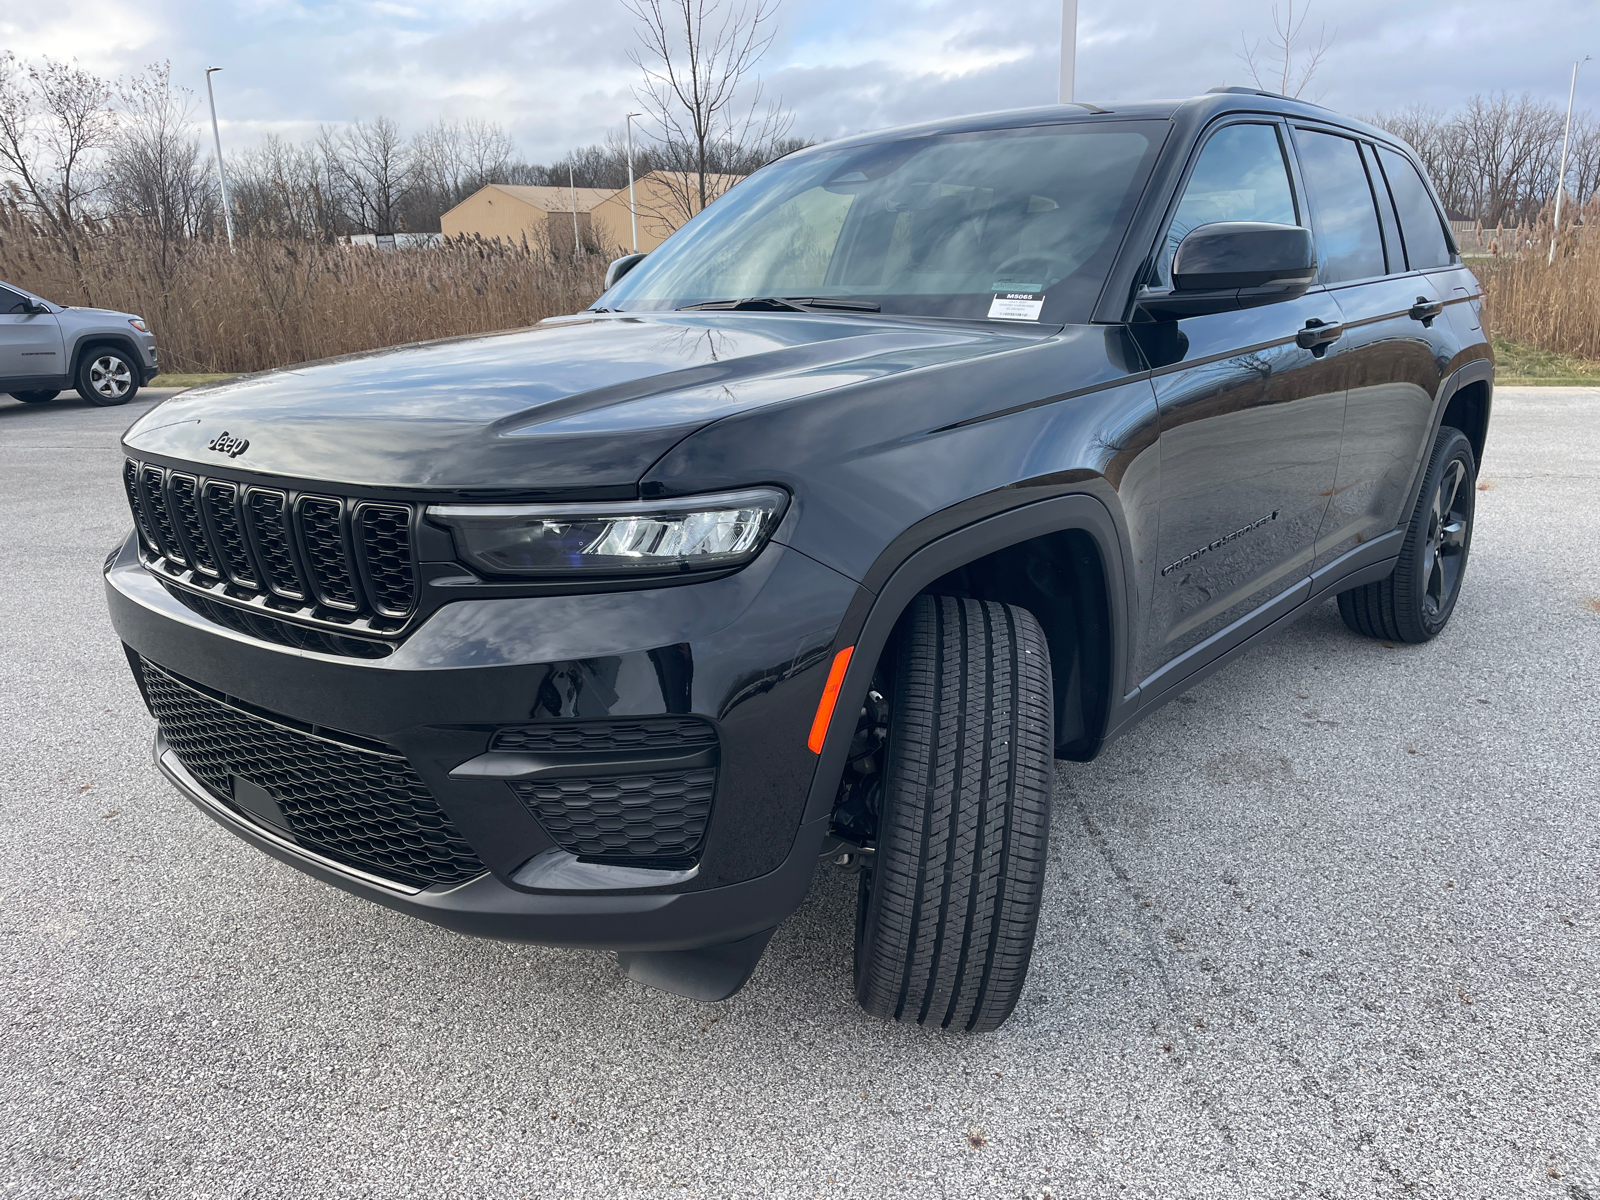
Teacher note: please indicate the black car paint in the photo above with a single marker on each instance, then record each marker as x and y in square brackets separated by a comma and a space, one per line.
[912, 448]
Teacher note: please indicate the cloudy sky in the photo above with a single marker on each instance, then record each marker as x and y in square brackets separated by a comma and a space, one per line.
[556, 72]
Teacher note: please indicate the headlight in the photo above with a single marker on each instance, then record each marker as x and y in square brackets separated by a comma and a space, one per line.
[138, 323]
[649, 537]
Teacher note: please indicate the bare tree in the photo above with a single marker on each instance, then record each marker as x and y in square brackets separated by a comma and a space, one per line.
[1583, 160]
[283, 190]
[1508, 147]
[157, 173]
[374, 170]
[1291, 57]
[55, 120]
[698, 58]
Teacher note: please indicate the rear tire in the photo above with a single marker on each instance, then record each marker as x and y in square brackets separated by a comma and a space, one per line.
[1415, 602]
[107, 376]
[948, 911]
[35, 397]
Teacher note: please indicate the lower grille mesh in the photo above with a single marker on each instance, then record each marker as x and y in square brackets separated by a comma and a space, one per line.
[628, 816]
[356, 806]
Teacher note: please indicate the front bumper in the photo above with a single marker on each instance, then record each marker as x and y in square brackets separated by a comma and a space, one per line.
[747, 652]
[486, 907]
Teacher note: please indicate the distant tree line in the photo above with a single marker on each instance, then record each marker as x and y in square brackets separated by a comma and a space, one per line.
[78, 150]
[1495, 159]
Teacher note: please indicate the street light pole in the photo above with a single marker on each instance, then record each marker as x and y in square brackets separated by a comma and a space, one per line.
[1069, 49]
[222, 176]
[571, 183]
[633, 212]
[1561, 177]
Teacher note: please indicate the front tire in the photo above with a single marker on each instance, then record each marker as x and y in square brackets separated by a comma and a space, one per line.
[1415, 602]
[107, 377]
[948, 911]
[35, 397]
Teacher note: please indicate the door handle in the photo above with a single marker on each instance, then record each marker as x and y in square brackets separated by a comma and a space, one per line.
[1318, 335]
[1426, 310]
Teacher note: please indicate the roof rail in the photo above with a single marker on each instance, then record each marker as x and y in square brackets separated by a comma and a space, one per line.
[1246, 91]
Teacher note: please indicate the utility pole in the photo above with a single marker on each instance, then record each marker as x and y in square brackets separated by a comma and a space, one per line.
[1069, 49]
[222, 176]
[1561, 177]
[576, 249]
[633, 211]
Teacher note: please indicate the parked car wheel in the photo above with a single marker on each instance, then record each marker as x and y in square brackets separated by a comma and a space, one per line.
[949, 907]
[107, 376]
[1415, 602]
[35, 397]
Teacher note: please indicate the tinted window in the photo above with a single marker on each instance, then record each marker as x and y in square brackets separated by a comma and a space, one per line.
[10, 302]
[937, 226]
[1240, 176]
[1419, 219]
[1348, 242]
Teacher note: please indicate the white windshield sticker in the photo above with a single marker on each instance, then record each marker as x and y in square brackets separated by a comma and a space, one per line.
[1015, 306]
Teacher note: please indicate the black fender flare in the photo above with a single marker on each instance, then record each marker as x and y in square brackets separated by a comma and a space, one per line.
[1479, 370]
[871, 617]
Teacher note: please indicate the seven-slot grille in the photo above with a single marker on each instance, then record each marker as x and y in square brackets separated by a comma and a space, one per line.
[330, 560]
[355, 805]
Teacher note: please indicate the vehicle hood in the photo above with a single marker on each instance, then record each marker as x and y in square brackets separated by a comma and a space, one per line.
[92, 314]
[572, 405]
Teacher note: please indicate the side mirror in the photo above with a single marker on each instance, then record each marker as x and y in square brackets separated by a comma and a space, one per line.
[37, 310]
[621, 267]
[1229, 265]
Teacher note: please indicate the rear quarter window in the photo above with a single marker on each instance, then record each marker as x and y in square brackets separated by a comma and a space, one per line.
[1420, 224]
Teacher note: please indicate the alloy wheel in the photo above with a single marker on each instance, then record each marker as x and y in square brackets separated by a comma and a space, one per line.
[110, 377]
[1447, 539]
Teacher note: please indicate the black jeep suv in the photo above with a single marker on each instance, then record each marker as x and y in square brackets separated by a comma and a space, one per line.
[916, 461]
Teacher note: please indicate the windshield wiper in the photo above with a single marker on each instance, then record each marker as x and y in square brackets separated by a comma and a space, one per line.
[784, 304]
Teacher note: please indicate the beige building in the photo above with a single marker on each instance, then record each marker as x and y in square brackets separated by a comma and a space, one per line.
[544, 216]
[511, 212]
[664, 200]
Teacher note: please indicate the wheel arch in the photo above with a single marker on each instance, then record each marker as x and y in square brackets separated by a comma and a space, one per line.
[1066, 556]
[90, 341]
[1468, 406]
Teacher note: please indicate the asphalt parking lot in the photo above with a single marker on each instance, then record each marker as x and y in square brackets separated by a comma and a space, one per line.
[1327, 927]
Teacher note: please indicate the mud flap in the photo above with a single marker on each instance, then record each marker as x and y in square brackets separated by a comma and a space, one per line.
[710, 973]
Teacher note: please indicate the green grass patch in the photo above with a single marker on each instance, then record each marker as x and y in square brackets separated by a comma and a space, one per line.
[1520, 365]
[184, 381]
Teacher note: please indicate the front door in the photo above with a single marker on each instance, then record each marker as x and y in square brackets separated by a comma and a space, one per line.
[1250, 425]
[30, 343]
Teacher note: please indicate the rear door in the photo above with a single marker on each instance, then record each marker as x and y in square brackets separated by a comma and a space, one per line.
[1250, 425]
[1394, 343]
[30, 343]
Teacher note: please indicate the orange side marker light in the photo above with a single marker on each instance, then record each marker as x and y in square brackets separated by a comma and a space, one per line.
[830, 697]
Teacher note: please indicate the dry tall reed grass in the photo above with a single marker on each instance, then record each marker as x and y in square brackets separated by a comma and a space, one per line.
[1555, 305]
[276, 302]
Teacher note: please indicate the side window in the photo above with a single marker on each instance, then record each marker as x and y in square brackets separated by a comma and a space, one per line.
[1241, 175]
[1419, 219]
[10, 302]
[1348, 241]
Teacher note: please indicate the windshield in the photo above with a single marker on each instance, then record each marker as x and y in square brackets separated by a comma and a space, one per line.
[1016, 224]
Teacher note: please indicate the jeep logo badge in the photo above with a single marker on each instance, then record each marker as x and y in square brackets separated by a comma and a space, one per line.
[226, 443]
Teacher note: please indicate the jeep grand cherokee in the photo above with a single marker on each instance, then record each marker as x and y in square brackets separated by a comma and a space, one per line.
[917, 461]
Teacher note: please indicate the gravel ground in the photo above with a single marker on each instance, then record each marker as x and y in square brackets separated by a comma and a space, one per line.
[1326, 927]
